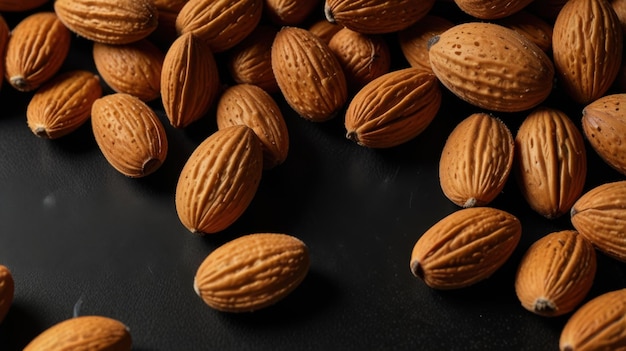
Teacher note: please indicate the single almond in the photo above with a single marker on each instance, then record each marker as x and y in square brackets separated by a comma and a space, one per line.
[491, 9]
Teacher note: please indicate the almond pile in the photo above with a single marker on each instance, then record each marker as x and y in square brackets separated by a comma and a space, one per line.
[233, 60]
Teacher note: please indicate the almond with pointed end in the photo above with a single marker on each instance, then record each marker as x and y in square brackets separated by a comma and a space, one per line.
[94, 333]
[556, 273]
[413, 41]
[219, 180]
[129, 134]
[36, 50]
[63, 104]
[465, 247]
[7, 291]
[491, 9]
[476, 160]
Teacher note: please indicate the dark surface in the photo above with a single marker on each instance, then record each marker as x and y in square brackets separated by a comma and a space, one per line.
[74, 231]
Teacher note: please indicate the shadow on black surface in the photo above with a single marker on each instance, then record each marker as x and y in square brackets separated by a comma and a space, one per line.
[19, 327]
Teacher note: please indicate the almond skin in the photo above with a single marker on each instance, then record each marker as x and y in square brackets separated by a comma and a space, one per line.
[604, 126]
[465, 247]
[413, 41]
[219, 180]
[109, 21]
[393, 108]
[129, 134]
[556, 273]
[63, 104]
[252, 272]
[476, 160]
[7, 291]
[36, 50]
[92, 333]
[491, 66]
[599, 324]
[600, 216]
[491, 9]
[551, 162]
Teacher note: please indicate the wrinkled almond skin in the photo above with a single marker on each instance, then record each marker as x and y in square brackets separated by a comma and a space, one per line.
[465, 247]
[289, 12]
[7, 291]
[491, 9]
[556, 273]
[551, 161]
[109, 21]
[393, 108]
[366, 16]
[93, 333]
[604, 126]
[491, 66]
[252, 106]
[219, 180]
[222, 24]
[308, 74]
[600, 216]
[587, 48]
[133, 68]
[190, 80]
[63, 104]
[36, 50]
[476, 160]
[20, 5]
[129, 134]
[413, 41]
[599, 324]
[531, 26]
[252, 272]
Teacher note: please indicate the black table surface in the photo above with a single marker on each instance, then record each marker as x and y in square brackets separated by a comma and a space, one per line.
[80, 237]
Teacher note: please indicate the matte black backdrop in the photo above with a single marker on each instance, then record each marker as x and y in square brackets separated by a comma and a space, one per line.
[75, 232]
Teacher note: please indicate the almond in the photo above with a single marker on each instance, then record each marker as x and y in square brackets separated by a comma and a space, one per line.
[84, 333]
[20, 5]
[476, 160]
[465, 247]
[133, 68]
[289, 12]
[63, 104]
[324, 29]
[129, 134]
[491, 66]
[222, 24]
[491, 9]
[393, 108]
[308, 74]
[551, 161]
[531, 26]
[219, 180]
[413, 41]
[190, 80]
[7, 291]
[556, 273]
[252, 106]
[599, 324]
[109, 21]
[604, 126]
[587, 61]
[600, 216]
[36, 50]
[252, 272]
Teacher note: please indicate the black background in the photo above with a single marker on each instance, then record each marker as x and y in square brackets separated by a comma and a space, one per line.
[74, 232]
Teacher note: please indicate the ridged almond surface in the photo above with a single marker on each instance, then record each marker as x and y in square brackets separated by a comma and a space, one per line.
[222, 24]
[413, 41]
[7, 291]
[587, 48]
[219, 180]
[556, 273]
[599, 324]
[465, 247]
[551, 161]
[36, 50]
[129, 134]
[600, 216]
[538, 30]
[376, 16]
[252, 272]
[393, 108]
[93, 333]
[491, 9]
[190, 80]
[63, 104]
[252, 106]
[290, 12]
[308, 74]
[20, 5]
[476, 160]
[109, 21]
[491, 66]
[133, 68]
[604, 126]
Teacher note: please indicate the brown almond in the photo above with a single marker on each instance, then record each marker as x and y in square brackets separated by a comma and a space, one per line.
[491, 9]
[252, 272]
[413, 41]
[476, 160]
[7, 291]
[324, 29]
[538, 30]
[290, 12]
